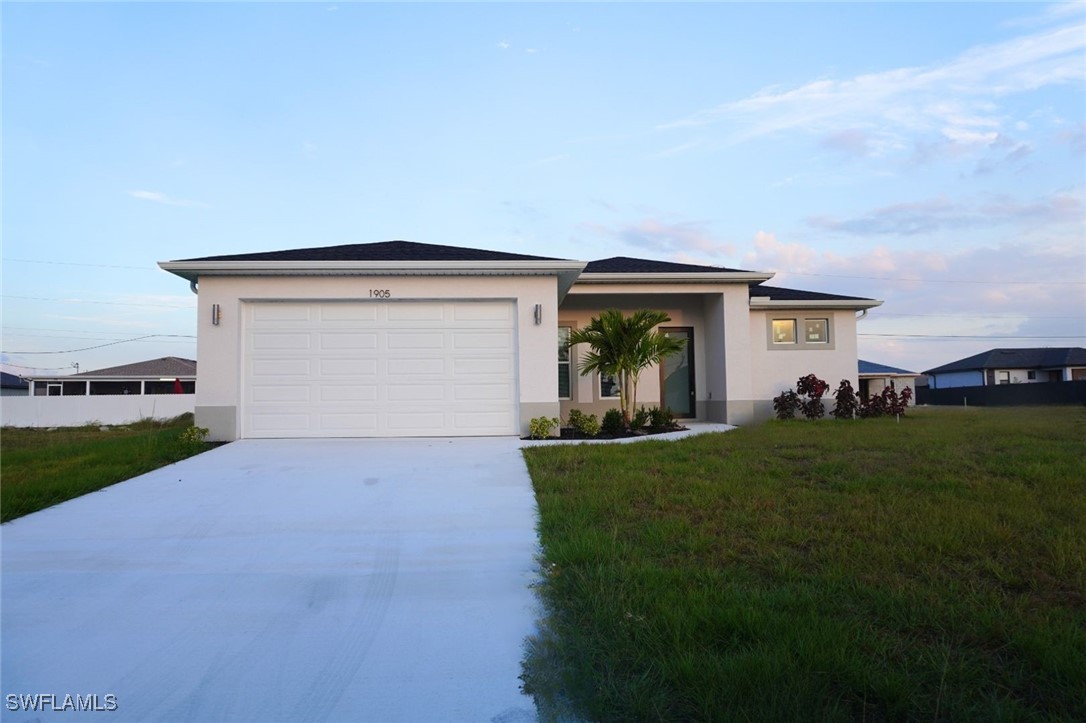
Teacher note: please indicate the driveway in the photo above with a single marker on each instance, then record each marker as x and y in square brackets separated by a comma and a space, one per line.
[293, 580]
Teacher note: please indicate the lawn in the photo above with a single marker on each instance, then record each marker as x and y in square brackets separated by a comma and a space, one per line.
[927, 569]
[42, 467]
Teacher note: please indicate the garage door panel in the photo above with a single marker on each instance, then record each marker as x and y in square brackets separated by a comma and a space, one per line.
[342, 369]
[347, 340]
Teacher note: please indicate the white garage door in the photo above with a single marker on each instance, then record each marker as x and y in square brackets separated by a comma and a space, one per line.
[379, 369]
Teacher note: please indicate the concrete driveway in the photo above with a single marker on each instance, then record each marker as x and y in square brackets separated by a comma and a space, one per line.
[293, 580]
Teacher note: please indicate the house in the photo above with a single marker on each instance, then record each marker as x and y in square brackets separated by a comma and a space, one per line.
[407, 339]
[876, 377]
[13, 386]
[167, 375]
[1011, 366]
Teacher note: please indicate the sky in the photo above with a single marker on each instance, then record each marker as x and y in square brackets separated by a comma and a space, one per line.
[931, 155]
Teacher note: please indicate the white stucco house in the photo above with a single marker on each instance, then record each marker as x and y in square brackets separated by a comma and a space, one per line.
[408, 339]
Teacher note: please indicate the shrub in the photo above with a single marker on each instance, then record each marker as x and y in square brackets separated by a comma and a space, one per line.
[193, 436]
[640, 418]
[846, 405]
[786, 404]
[612, 423]
[661, 418]
[540, 427]
[584, 425]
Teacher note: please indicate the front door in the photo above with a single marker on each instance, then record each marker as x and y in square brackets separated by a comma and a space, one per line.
[677, 374]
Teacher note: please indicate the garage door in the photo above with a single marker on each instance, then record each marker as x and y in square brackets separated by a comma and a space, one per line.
[379, 369]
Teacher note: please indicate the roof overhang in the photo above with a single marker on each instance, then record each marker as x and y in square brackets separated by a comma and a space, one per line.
[746, 277]
[761, 302]
[115, 378]
[566, 271]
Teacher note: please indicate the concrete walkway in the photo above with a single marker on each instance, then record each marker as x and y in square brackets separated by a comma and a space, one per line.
[282, 580]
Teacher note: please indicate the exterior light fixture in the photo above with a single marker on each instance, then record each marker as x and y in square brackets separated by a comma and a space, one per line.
[538, 314]
[216, 314]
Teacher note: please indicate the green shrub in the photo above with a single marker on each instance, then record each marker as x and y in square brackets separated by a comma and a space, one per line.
[612, 423]
[540, 427]
[640, 418]
[585, 425]
[661, 418]
[193, 436]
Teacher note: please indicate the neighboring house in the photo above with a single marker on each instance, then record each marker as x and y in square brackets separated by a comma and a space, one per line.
[876, 377]
[13, 386]
[406, 339]
[1011, 366]
[168, 375]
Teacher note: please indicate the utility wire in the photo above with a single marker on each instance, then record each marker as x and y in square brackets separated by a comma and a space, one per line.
[75, 263]
[44, 369]
[83, 301]
[99, 346]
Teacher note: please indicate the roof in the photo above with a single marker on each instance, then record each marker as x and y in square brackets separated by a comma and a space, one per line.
[627, 265]
[381, 251]
[10, 381]
[1035, 358]
[779, 293]
[867, 367]
[167, 366]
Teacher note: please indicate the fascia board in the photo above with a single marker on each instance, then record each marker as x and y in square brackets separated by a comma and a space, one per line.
[691, 278]
[763, 303]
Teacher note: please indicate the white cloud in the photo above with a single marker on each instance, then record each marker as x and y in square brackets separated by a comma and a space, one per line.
[157, 197]
[677, 240]
[504, 45]
[957, 100]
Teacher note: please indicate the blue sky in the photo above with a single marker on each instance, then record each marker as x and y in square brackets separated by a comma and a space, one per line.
[932, 155]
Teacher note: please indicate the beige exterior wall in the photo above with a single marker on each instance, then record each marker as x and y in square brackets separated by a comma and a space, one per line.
[875, 385]
[219, 347]
[777, 367]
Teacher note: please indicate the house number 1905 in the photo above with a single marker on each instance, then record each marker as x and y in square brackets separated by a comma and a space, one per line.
[380, 294]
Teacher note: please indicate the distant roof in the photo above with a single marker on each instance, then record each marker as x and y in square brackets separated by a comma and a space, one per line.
[627, 265]
[867, 367]
[10, 381]
[380, 251]
[1017, 359]
[167, 366]
[782, 294]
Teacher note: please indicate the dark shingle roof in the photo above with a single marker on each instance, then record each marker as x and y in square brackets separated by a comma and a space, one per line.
[867, 367]
[1036, 358]
[10, 381]
[381, 251]
[167, 366]
[778, 293]
[627, 265]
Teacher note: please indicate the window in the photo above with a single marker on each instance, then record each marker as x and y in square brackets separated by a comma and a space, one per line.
[816, 331]
[563, 363]
[608, 387]
[784, 331]
[1031, 375]
[1004, 377]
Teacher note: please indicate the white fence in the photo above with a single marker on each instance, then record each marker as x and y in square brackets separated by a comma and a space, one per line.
[75, 411]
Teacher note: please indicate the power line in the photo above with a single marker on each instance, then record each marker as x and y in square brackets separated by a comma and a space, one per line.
[44, 369]
[83, 301]
[23, 335]
[964, 336]
[75, 263]
[929, 281]
[99, 346]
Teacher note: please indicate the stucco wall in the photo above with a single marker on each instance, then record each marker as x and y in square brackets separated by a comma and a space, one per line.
[219, 347]
[777, 367]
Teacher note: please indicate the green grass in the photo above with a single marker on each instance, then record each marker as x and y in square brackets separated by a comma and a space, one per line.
[40, 468]
[932, 569]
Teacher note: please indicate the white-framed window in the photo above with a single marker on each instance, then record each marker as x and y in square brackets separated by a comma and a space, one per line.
[1031, 375]
[609, 387]
[565, 370]
[1003, 377]
[784, 331]
[816, 331]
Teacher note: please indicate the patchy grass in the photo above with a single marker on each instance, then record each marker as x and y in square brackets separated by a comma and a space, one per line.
[932, 569]
[41, 467]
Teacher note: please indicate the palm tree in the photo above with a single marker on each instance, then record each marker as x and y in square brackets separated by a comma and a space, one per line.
[623, 346]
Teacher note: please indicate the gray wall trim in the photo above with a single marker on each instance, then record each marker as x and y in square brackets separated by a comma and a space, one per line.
[221, 422]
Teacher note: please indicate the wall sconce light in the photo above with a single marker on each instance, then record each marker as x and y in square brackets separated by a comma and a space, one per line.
[216, 314]
[538, 314]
